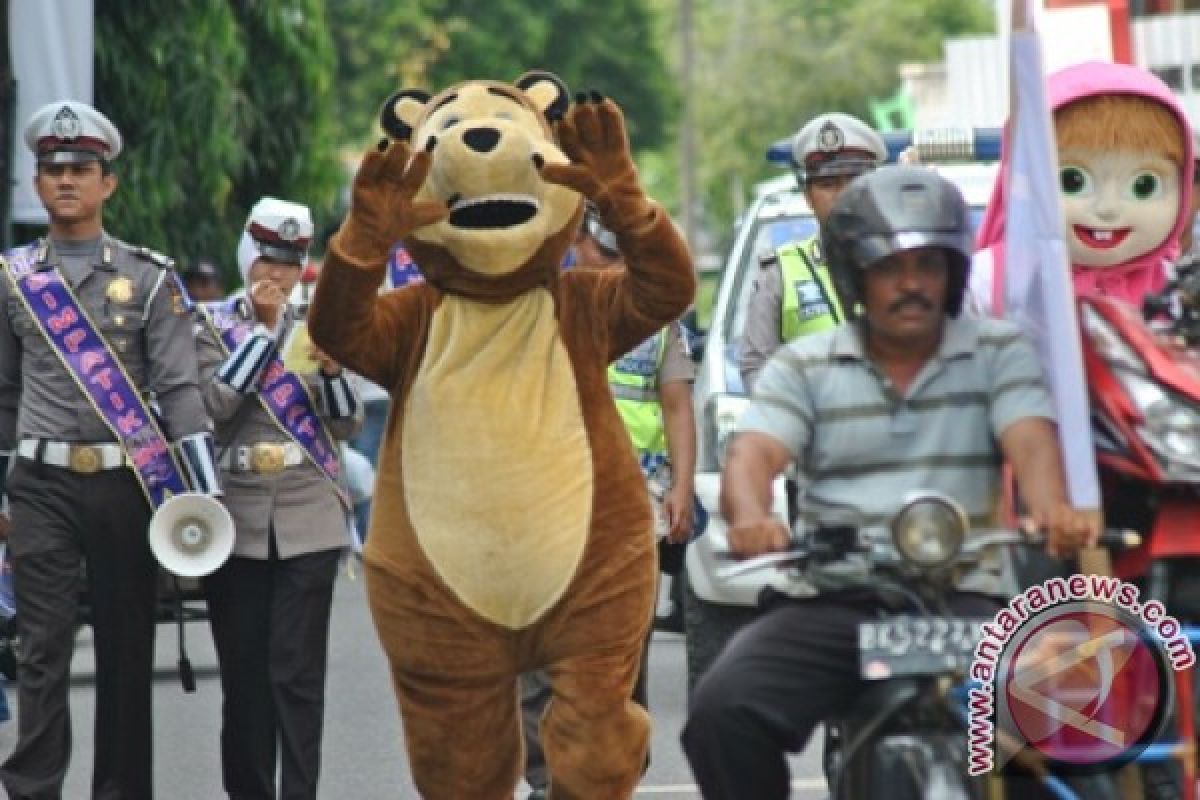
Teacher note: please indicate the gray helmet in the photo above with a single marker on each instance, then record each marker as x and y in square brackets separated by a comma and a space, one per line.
[891, 210]
[836, 144]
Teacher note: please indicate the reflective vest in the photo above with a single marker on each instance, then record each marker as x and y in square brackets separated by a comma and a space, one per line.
[633, 379]
[809, 299]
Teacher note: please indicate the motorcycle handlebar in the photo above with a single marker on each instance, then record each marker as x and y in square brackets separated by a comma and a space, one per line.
[799, 552]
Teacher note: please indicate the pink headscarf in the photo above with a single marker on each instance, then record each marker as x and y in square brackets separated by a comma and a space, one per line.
[1134, 279]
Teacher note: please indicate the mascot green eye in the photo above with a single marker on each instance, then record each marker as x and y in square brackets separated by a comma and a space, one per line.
[1074, 180]
[1146, 185]
[450, 122]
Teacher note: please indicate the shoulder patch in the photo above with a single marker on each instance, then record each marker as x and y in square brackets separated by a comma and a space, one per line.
[158, 259]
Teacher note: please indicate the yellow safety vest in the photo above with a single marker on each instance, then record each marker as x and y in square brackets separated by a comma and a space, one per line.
[633, 379]
[809, 299]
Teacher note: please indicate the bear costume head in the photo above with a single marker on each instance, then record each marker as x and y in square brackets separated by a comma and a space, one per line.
[507, 229]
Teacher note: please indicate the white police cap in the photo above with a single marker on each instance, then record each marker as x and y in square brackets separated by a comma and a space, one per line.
[837, 144]
[276, 229]
[71, 132]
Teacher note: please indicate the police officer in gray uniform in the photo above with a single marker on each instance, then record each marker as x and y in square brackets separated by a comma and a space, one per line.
[73, 495]
[270, 604]
[794, 293]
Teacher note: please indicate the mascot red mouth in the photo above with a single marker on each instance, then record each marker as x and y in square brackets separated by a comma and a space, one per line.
[1101, 238]
[492, 211]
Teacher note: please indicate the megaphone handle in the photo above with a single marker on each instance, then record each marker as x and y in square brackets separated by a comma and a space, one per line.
[187, 676]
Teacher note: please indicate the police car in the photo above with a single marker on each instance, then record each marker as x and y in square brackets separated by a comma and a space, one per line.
[716, 607]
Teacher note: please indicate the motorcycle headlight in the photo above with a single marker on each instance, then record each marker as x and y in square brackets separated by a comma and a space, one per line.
[726, 410]
[1171, 429]
[929, 529]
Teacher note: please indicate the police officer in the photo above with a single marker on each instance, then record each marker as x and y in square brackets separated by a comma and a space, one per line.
[270, 604]
[795, 293]
[652, 387]
[77, 494]
[204, 282]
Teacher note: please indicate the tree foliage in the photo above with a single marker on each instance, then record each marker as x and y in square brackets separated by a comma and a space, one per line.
[611, 47]
[765, 67]
[219, 103]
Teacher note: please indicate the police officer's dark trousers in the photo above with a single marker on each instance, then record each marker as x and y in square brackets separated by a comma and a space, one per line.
[58, 517]
[270, 624]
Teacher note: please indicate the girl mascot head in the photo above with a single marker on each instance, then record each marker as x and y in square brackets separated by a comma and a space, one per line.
[1125, 156]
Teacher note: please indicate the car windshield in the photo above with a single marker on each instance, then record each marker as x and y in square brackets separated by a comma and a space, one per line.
[765, 237]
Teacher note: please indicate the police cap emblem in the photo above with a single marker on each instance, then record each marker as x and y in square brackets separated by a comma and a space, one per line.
[830, 138]
[289, 230]
[67, 124]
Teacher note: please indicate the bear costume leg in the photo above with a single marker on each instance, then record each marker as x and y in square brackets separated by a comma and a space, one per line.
[594, 736]
[458, 705]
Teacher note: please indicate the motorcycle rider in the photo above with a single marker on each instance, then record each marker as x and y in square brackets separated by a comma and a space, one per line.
[911, 395]
[794, 294]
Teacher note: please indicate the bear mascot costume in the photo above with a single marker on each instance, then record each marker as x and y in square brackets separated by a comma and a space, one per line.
[511, 529]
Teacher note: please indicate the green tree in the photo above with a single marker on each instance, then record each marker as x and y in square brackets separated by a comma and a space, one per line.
[764, 67]
[182, 155]
[611, 47]
[219, 103]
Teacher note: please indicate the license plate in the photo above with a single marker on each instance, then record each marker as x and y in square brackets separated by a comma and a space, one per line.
[908, 645]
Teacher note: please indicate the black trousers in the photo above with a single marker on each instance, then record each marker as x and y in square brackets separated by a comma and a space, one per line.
[776, 680]
[61, 519]
[270, 624]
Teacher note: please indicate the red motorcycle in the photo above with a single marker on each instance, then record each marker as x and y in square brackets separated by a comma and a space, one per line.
[1143, 376]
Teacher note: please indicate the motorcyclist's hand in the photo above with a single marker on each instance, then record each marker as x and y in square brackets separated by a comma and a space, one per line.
[677, 506]
[767, 535]
[382, 206]
[592, 134]
[1069, 529]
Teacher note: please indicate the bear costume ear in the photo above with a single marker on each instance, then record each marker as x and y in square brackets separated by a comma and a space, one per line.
[547, 92]
[400, 113]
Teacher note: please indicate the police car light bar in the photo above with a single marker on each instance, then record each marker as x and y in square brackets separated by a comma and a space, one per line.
[933, 145]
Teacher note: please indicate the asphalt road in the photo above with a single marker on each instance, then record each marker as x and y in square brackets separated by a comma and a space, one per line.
[363, 748]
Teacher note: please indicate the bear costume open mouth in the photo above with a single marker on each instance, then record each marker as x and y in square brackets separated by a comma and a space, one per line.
[492, 211]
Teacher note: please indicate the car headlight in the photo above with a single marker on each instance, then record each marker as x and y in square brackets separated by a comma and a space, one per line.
[929, 529]
[726, 411]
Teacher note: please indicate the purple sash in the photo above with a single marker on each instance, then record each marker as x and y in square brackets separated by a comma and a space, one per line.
[285, 397]
[97, 372]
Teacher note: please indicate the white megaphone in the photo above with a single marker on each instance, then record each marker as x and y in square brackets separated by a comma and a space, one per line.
[191, 535]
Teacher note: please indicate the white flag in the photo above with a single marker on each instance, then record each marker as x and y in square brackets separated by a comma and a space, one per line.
[1038, 294]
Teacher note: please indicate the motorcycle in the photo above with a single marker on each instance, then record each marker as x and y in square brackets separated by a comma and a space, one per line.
[905, 738]
[1143, 376]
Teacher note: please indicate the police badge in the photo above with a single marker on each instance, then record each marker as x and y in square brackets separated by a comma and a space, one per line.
[120, 290]
[289, 230]
[66, 124]
[830, 138]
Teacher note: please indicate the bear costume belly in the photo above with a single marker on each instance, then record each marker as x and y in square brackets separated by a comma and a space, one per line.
[493, 411]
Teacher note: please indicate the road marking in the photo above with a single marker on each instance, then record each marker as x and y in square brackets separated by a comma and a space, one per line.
[809, 785]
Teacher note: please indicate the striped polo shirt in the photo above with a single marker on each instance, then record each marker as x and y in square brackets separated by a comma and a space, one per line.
[860, 446]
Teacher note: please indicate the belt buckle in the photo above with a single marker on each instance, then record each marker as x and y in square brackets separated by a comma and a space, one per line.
[267, 458]
[84, 459]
